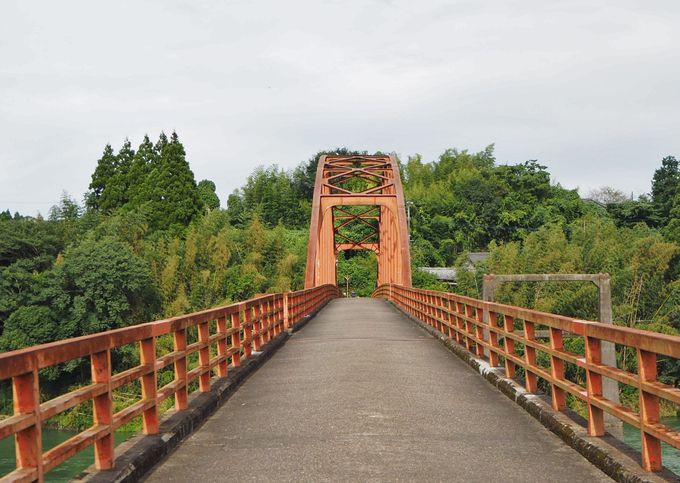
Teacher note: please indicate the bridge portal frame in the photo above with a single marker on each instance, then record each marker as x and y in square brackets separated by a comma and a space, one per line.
[384, 194]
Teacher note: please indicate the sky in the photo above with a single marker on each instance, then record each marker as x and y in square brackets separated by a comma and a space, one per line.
[591, 89]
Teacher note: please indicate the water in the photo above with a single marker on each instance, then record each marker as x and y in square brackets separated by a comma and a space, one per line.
[670, 455]
[52, 437]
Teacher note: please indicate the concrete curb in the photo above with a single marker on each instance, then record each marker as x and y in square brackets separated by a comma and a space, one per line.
[136, 457]
[614, 458]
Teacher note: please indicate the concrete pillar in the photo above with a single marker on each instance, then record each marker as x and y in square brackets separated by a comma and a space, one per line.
[610, 388]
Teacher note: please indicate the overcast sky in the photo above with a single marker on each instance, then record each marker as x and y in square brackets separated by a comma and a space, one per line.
[589, 88]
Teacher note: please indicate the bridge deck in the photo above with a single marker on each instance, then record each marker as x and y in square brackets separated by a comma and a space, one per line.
[363, 394]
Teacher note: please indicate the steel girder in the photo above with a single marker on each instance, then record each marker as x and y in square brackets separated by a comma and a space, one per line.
[358, 204]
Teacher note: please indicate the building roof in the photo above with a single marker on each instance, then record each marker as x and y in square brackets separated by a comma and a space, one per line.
[448, 274]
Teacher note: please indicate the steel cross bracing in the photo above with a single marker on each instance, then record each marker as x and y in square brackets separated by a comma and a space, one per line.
[358, 205]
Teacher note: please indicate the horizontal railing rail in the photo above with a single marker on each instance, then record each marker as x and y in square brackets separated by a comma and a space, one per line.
[237, 331]
[487, 330]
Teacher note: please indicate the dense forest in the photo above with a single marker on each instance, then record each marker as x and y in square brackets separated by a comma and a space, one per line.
[149, 241]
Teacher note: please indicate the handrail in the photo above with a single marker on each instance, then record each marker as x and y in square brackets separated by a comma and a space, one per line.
[239, 330]
[489, 328]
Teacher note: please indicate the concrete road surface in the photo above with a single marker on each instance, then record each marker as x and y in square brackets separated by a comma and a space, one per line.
[363, 394]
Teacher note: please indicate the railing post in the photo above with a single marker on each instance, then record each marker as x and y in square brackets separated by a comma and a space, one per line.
[204, 356]
[269, 307]
[530, 379]
[460, 324]
[509, 327]
[276, 310]
[468, 328]
[594, 386]
[257, 326]
[493, 340]
[181, 394]
[265, 321]
[103, 409]
[558, 395]
[286, 316]
[649, 411]
[236, 338]
[282, 313]
[449, 319]
[247, 331]
[147, 357]
[28, 442]
[488, 292]
[223, 365]
[479, 333]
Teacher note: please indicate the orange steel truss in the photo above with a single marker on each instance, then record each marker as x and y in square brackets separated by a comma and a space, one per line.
[465, 320]
[223, 337]
[358, 205]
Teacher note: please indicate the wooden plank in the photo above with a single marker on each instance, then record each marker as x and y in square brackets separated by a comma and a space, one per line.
[131, 412]
[71, 399]
[16, 423]
[126, 377]
[73, 445]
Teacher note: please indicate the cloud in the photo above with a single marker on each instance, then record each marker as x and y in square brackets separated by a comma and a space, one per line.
[588, 88]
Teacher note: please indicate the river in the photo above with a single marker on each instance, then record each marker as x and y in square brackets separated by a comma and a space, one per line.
[51, 438]
[670, 455]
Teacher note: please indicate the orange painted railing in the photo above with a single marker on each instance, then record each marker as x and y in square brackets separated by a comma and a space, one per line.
[486, 327]
[237, 331]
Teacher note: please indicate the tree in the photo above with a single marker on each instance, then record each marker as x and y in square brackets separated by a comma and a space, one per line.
[607, 195]
[143, 161]
[67, 212]
[101, 285]
[29, 325]
[106, 168]
[304, 176]
[170, 191]
[665, 185]
[672, 229]
[117, 191]
[206, 192]
[631, 212]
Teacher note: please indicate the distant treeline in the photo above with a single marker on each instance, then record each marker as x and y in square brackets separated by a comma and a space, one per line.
[148, 241]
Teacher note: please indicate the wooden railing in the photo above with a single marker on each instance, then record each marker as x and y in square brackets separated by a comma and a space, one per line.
[490, 328]
[224, 334]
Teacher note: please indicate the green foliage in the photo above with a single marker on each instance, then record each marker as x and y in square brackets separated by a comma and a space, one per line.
[101, 285]
[156, 180]
[206, 192]
[269, 194]
[665, 187]
[631, 212]
[278, 196]
[171, 196]
[361, 268]
[152, 243]
[103, 174]
[29, 325]
[463, 201]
